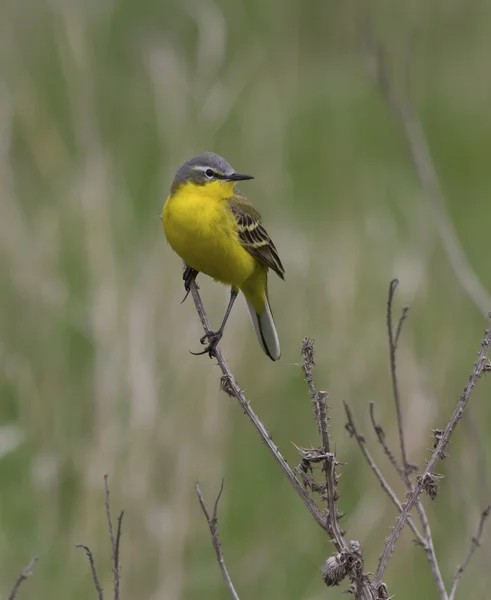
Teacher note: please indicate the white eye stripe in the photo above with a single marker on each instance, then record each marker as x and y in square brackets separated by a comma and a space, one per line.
[206, 170]
[209, 172]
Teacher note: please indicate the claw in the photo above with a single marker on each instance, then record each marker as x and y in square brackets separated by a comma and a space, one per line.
[187, 294]
[213, 339]
[188, 276]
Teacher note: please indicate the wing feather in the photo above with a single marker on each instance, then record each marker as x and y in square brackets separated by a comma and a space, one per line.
[253, 236]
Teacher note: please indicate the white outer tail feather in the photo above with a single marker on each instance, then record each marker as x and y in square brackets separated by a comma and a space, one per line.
[265, 330]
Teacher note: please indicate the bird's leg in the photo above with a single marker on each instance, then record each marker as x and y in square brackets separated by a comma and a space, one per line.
[215, 336]
[188, 276]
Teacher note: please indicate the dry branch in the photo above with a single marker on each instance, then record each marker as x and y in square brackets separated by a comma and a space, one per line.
[349, 553]
[348, 561]
[427, 479]
[476, 540]
[115, 540]
[213, 525]
[115, 547]
[93, 570]
[231, 387]
[26, 573]
[393, 341]
[407, 468]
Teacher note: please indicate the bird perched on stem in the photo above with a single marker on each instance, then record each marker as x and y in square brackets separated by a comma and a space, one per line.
[216, 231]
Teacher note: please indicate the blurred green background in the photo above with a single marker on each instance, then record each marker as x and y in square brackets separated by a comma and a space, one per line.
[100, 102]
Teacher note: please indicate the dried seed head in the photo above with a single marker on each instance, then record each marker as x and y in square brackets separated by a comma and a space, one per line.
[437, 436]
[334, 570]
[430, 484]
[225, 385]
[382, 592]
[307, 350]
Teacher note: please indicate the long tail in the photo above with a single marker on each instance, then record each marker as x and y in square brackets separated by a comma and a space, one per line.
[265, 330]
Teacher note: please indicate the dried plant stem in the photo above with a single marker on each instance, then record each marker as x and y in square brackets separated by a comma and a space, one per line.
[330, 470]
[230, 385]
[115, 540]
[115, 546]
[479, 368]
[406, 469]
[379, 432]
[95, 576]
[213, 525]
[429, 548]
[474, 546]
[363, 588]
[393, 340]
[26, 573]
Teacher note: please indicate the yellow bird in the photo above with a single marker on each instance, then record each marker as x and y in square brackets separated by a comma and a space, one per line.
[216, 231]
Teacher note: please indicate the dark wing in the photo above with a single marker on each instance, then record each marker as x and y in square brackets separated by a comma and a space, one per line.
[253, 236]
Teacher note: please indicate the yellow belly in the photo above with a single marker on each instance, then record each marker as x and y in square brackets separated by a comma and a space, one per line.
[202, 231]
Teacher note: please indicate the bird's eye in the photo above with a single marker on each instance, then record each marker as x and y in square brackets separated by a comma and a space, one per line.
[210, 173]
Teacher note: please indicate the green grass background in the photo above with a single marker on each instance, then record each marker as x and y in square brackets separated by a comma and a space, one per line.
[100, 101]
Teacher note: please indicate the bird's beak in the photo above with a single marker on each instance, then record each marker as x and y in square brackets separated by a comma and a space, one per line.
[239, 177]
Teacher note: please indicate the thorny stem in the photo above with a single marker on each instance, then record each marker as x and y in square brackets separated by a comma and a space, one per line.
[307, 366]
[231, 387]
[330, 472]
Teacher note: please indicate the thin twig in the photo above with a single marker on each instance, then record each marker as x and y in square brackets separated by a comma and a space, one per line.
[393, 339]
[379, 432]
[115, 540]
[422, 482]
[108, 515]
[213, 523]
[405, 471]
[429, 548]
[352, 431]
[26, 573]
[230, 385]
[95, 577]
[117, 566]
[474, 546]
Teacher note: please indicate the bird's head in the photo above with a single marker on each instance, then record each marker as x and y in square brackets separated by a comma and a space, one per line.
[208, 169]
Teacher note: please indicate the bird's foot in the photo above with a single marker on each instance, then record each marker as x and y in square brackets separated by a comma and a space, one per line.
[213, 339]
[188, 277]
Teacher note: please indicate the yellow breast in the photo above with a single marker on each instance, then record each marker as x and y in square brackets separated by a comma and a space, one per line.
[202, 230]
